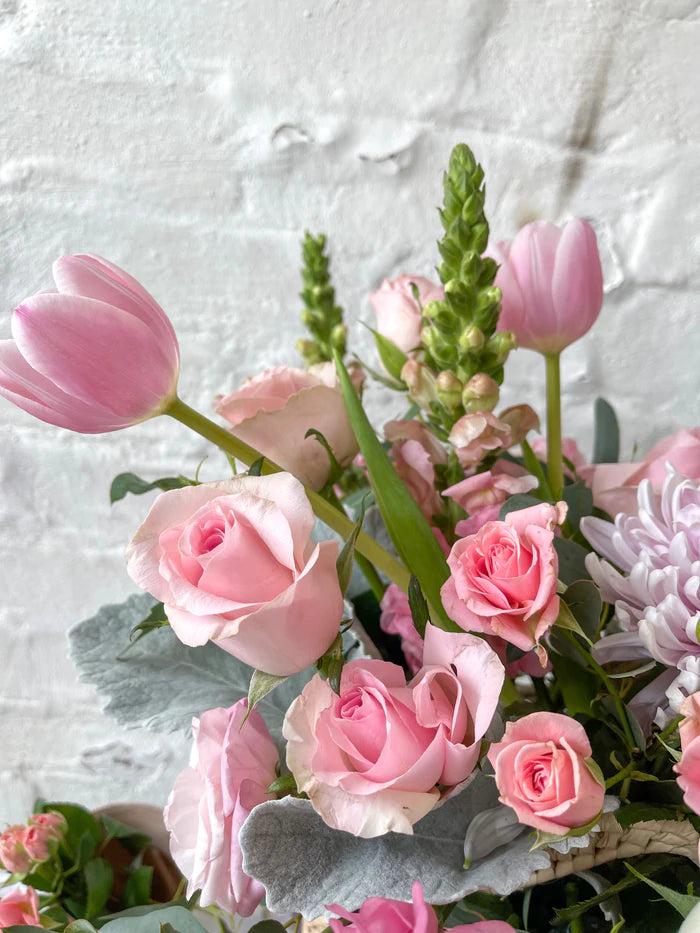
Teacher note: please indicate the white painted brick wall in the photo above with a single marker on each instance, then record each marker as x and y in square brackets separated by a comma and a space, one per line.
[193, 142]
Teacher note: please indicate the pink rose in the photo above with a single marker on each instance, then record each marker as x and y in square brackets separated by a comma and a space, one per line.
[615, 485]
[52, 821]
[569, 449]
[415, 451]
[543, 772]
[234, 563]
[370, 759]
[273, 411]
[383, 915]
[396, 619]
[398, 312]
[94, 354]
[231, 766]
[36, 842]
[551, 283]
[19, 908]
[688, 768]
[504, 578]
[13, 855]
[473, 436]
[492, 487]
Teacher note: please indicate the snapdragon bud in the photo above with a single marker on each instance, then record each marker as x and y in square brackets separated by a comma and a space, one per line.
[480, 394]
[420, 382]
[449, 390]
[501, 344]
[472, 339]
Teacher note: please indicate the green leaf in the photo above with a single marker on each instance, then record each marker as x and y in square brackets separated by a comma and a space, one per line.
[393, 359]
[379, 377]
[546, 839]
[98, 878]
[579, 498]
[683, 903]
[114, 829]
[130, 482]
[583, 599]
[137, 890]
[642, 812]
[255, 469]
[345, 559]
[78, 926]
[410, 533]
[260, 685]
[572, 556]
[516, 503]
[418, 606]
[285, 784]
[155, 619]
[566, 620]
[22, 928]
[534, 466]
[578, 686]
[652, 863]
[606, 433]
[268, 926]
[151, 920]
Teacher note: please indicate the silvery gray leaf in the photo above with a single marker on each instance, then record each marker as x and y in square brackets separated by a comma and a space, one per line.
[161, 683]
[305, 865]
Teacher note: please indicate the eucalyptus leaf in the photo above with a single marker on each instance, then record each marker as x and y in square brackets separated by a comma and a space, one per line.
[78, 926]
[572, 557]
[579, 499]
[162, 683]
[304, 864]
[583, 599]
[520, 500]
[606, 433]
[268, 926]
[179, 918]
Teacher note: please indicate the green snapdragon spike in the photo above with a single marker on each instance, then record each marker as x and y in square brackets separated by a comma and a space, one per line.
[321, 316]
[459, 332]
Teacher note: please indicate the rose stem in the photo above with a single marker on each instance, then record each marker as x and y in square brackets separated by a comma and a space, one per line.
[554, 461]
[365, 546]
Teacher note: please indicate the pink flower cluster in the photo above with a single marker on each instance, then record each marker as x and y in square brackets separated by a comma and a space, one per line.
[19, 908]
[370, 759]
[383, 915]
[21, 845]
[688, 768]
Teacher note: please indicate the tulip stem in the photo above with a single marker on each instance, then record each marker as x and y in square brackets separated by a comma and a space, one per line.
[337, 520]
[554, 460]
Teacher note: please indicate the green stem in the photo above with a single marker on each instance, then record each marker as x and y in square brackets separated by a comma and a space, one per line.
[554, 461]
[338, 521]
[620, 776]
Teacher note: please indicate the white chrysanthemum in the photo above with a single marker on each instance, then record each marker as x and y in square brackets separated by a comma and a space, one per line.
[655, 581]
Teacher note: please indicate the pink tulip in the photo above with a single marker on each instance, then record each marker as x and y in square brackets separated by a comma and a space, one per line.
[19, 908]
[94, 354]
[552, 284]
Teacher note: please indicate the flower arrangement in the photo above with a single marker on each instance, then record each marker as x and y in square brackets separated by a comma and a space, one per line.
[446, 678]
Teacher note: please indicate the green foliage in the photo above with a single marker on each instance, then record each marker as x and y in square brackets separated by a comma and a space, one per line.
[606, 433]
[418, 606]
[268, 926]
[683, 903]
[130, 482]
[345, 559]
[459, 332]
[321, 316]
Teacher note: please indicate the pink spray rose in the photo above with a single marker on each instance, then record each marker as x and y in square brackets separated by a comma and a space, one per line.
[94, 354]
[569, 449]
[615, 485]
[13, 856]
[396, 619]
[231, 766]
[36, 842]
[543, 772]
[688, 768]
[370, 758]
[273, 411]
[415, 451]
[398, 313]
[473, 436]
[503, 579]
[383, 915]
[551, 282]
[19, 908]
[234, 563]
[482, 495]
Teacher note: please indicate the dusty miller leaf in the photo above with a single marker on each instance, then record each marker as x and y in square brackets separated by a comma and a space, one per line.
[305, 864]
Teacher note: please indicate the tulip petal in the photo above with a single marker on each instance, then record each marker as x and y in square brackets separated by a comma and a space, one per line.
[95, 352]
[577, 281]
[39, 396]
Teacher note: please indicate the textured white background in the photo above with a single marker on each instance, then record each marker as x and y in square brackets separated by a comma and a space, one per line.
[192, 141]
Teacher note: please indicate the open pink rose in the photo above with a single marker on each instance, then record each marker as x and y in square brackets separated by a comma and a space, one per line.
[688, 768]
[370, 759]
[543, 773]
[398, 312]
[473, 436]
[383, 915]
[615, 485]
[231, 766]
[19, 908]
[234, 563]
[13, 856]
[273, 411]
[415, 451]
[504, 578]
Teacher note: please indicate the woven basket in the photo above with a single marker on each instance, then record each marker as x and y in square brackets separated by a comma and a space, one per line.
[609, 843]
